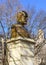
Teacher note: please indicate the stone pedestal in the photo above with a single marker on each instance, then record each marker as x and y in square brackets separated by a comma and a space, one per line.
[20, 51]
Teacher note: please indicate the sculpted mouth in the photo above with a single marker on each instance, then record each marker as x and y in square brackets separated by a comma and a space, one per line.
[25, 22]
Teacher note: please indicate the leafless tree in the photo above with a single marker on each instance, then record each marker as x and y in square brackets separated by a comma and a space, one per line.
[36, 20]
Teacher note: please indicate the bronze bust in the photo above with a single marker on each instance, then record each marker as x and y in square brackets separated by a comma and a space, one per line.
[19, 29]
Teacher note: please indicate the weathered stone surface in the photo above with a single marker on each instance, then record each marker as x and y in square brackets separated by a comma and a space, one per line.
[20, 51]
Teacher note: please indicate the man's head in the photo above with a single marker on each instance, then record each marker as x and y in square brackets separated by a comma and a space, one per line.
[22, 17]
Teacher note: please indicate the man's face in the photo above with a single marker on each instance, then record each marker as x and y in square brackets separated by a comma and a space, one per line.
[21, 18]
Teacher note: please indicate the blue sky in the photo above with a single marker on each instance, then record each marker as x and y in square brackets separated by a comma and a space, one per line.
[38, 4]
